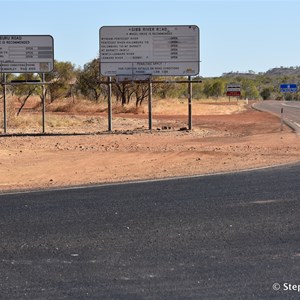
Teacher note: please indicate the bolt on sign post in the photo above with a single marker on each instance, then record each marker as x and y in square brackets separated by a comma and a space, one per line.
[25, 54]
[136, 52]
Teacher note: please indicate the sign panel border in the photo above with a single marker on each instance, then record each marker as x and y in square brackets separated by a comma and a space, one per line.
[150, 66]
[233, 90]
[21, 65]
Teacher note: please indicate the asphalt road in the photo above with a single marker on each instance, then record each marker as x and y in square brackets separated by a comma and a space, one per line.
[214, 237]
[291, 111]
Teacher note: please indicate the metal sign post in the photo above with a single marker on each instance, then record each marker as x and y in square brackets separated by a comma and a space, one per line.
[4, 104]
[44, 104]
[109, 104]
[281, 119]
[150, 104]
[190, 91]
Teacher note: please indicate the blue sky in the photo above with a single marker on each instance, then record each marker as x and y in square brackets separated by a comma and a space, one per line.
[234, 35]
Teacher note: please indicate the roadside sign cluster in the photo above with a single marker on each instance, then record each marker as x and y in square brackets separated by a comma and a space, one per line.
[134, 53]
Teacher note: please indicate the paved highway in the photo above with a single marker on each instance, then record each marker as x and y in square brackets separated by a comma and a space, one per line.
[291, 111]
[230, 236]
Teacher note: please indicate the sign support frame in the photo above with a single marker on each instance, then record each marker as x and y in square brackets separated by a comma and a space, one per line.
[109, 83]
[4, 83]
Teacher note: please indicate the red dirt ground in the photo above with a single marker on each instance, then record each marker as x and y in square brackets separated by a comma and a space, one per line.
[217, 143]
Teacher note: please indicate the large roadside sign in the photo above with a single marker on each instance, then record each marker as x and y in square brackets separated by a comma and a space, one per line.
[149, 50]
[288, 88]
[26, 53]
[233, 90]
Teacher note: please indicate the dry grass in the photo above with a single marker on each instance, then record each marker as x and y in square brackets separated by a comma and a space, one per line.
[66, 115]
[199, 107]
[79, 106]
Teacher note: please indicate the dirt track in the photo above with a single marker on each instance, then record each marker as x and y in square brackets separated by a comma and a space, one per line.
[217, 143]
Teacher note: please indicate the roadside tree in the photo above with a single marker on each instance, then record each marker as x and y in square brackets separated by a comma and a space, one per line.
[88, 81]
[62, 76]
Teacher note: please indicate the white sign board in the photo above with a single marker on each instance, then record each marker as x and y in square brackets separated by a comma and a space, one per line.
[149, 50]
[26, 53]
[233, 90]
[233, 87]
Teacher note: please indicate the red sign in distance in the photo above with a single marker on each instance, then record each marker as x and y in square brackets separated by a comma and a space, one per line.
[233, 94]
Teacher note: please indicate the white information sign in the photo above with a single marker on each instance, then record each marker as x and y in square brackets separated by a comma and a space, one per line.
[149, 50]
[232, 87]
[26, 53]
[233, 90]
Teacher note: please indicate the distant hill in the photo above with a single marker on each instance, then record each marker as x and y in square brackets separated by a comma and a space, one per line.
[275, 72]
[282, 71]
[240, 74]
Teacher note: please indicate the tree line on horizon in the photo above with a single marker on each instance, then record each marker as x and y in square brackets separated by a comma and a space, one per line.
[67, 81]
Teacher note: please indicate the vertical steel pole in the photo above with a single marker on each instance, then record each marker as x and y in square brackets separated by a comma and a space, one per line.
[4, 104]
[109, 105]
[150, 104]
[281, 119]
[44, 104]
[190, 101]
